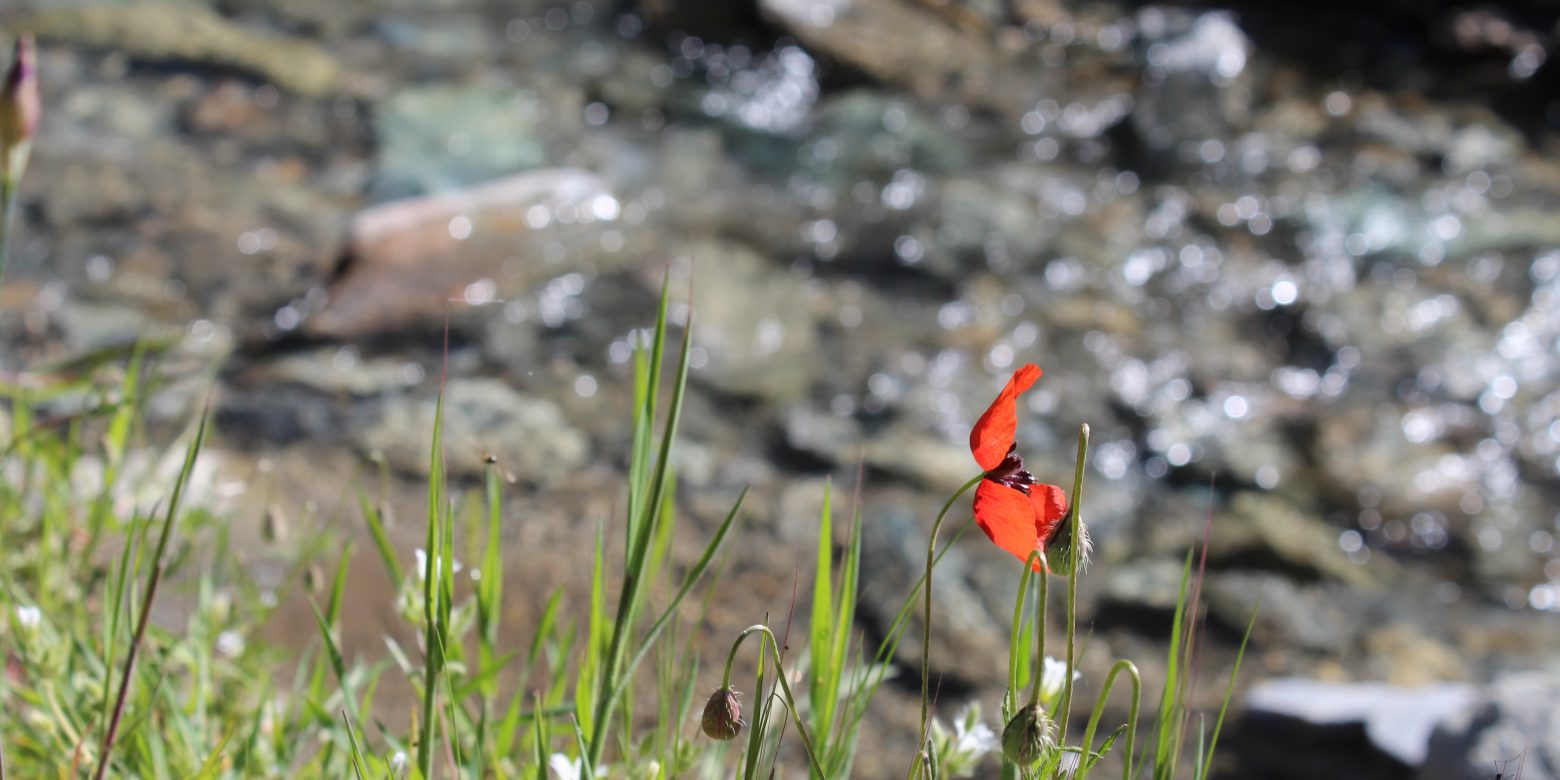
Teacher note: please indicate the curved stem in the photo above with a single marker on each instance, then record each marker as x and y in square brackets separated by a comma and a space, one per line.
[1099, 709]
[1076, 507]
[1010, 700]
[772, 645]
[926, 629]
[1039, 673]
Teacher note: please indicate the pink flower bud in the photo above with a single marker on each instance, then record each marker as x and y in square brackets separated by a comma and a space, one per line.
[19, 106]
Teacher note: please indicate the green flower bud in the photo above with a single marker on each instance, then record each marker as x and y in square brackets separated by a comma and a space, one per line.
[723, 715]
[1028, 736]
[1061, 552]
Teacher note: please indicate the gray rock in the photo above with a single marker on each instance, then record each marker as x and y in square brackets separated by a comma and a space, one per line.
[440, 138]
[755, 322]
[1144, 584]
[1513, 726]
[1197, 87]
[1316, 617]
[339, 372]
[482, 417]
[187, 32]
[923, 458]
[829, 437]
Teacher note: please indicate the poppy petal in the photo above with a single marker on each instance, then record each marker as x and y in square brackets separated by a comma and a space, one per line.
[993, 433]
[1050, 508]
[1008, 518]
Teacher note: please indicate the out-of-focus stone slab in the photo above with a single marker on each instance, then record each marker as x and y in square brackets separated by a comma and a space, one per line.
[409, 258]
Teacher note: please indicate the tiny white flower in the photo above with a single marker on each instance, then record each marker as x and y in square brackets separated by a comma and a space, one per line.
[28, 618]
[230, 643]
[398, 761]
[959, 754]
[561, 766]
[1053, 677]
[564, 768]
[970, 735]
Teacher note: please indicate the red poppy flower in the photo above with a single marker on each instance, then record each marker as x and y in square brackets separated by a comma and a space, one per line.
[1019, 513]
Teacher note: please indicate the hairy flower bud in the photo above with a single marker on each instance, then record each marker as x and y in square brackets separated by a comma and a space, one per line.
[1062, 550]
[1028, 736]
[723, 715]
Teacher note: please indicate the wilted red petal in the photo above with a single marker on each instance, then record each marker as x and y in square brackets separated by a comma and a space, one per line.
[1008, 517]
[1050, 508]
[993, 432]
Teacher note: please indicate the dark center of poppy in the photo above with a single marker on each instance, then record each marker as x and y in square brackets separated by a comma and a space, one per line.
[1010, 472]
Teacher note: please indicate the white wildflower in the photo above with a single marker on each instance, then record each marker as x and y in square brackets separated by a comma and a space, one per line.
[1053, 677]
[959, 753]
[970, 735]
[230, 644]
[28, 618]
[564, 768]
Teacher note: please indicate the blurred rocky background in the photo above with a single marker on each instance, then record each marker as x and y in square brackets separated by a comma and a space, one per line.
[1298, 266]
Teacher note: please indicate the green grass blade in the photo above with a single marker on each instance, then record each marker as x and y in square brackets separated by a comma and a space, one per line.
[820, 690]
[357, 752]
[376, 530]
[1229, 688]
[1167, 728]
[433, 657]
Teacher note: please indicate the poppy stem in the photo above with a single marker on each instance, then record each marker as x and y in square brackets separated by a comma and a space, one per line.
[1075, 551]
[926, 628]
[1039, 672]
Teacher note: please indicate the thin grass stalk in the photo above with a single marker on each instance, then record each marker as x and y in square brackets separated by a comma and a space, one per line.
[1167, 727]
[151, 593]
[1075, 567]
[489, 609]
[357, 752]
[433, 645]
[1099, 709]
[926, 633]
[1191, 661]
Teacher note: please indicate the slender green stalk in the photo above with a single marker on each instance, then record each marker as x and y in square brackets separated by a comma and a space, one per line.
[1074, 570]
[1039, 671]
[434, 570]
[1084, 765]
[926, 628]
[151, 593]
[7, 217]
